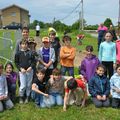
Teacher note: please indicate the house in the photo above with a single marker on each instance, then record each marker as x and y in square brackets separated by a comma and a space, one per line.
[14, 14]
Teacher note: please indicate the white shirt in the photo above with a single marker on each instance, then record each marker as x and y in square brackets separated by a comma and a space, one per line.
[37, 27]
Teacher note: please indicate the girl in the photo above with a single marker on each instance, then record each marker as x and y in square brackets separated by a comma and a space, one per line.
[107, 54]
[99, 88]
[11, 77]
[4, 99]
[115, 88]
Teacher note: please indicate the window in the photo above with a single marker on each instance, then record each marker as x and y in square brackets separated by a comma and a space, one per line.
[13, 14]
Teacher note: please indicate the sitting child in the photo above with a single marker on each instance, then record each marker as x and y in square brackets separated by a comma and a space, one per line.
[39, 89]
[5, 102]
[11, 77]
[75, 86]
[56, 87]
[99, 88]
[115, 88]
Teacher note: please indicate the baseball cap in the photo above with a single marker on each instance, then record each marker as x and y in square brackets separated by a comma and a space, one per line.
[45, 39]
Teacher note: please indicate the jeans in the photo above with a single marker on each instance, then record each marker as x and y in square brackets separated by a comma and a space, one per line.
[70, 71]
[25, 83]
[56, 99]
[40, 100]
[6, 103]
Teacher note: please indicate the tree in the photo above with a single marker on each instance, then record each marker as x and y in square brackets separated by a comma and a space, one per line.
[108, 22]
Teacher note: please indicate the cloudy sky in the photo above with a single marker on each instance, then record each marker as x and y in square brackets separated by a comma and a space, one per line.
[95, 11]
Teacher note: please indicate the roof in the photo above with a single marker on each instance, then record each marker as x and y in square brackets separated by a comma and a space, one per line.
[14, 6]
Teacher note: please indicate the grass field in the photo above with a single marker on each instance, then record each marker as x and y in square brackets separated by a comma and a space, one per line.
[30, 112]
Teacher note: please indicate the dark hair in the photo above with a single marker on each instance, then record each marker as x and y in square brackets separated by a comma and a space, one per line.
[52, 32]
[118, 65]
[1, 65]
[66, 37]
[108, 32]
[89, 48]
[72, 84]
[40, 70]
[23, 41]
[9, 63]
[56, 71]
[101, 66]
[25, 28]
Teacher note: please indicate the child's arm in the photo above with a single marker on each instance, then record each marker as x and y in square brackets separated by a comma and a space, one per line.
[72, 55]
[6, 89]
[100, 53]
[84, 97]
[34, 88]
[62, 54]
[65, 101]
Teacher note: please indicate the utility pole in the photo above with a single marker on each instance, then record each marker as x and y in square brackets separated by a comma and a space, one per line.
[82, 16]
[79, 20]
[53, 21]
[119, 20]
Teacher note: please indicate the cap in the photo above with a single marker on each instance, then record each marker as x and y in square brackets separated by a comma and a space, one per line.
[45, 39]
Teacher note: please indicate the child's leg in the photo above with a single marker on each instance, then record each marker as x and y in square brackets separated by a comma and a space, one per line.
[106, 103]
[110, 69]
[1, 106]
[29, 83]
[13, 92]
[71, 71]
[115, 102]
[63, 70]
[22, 84]
[97, 102]
[52, 99]
[59, 99]
[8, 104]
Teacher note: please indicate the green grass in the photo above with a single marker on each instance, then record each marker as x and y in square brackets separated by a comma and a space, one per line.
[30, 112]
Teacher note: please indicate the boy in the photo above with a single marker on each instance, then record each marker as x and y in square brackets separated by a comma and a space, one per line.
[4, 99]
[46, 57]
[99, 88]
[55, 43]
[39, 89]
[67, 56]
[24, 61]
[75, 86]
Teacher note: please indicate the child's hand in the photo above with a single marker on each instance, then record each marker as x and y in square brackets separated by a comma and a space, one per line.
[23, 70]
[117, 90]
[99, 97]
[46, 95]
[114, 66]
[29, 69]
[3, 97]
[104, 97]
[64, 109]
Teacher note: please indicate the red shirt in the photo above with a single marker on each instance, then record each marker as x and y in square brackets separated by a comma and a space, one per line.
[80, 83]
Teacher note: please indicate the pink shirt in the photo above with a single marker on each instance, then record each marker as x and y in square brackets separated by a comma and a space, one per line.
[102, 28]
[118, 51]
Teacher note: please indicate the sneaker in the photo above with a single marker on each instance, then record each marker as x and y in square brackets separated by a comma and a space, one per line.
[21, 100]
[27, 99]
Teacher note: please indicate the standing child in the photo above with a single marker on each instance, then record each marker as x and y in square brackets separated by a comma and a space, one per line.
[56, 87]
[115, 88]
[99, 88]
[4, 99]
[107, 54]
[24, 61]
[67, 56]
[46, 57]
[11, 77]
[39, 89]
[77, 87]
[89, 64]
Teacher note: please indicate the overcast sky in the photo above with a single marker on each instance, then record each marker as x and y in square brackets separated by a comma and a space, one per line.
[95, 11]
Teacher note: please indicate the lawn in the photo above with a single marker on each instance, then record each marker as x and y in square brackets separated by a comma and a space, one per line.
[30, 112]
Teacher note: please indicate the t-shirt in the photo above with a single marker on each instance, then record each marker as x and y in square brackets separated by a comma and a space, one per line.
[46, 54]
[80, 84]
[40, 85]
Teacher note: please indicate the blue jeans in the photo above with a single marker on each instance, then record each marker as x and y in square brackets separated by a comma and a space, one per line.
[70, 70]
[40, 100]
[25, 83]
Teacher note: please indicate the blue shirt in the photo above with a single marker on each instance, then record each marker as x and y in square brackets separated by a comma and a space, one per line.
[46, 54]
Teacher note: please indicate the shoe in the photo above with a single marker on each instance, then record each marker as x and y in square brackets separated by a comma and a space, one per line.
[27, 100]
[21, 100]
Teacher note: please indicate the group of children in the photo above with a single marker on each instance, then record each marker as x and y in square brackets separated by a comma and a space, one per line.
[40, 79]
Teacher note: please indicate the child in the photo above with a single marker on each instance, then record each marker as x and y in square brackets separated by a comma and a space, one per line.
[89, 64]
[55, 43]
[77, 87]
[67, 56]
[107, 54]
[99, 88]
[25, 36]
[56, 87]
[80, 37]
[39, 89]
[46, 57]
[11, 77]
[24, 61]
[4, 99]
[115, 88]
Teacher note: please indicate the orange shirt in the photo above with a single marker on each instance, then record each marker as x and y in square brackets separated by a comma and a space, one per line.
[67, 61]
